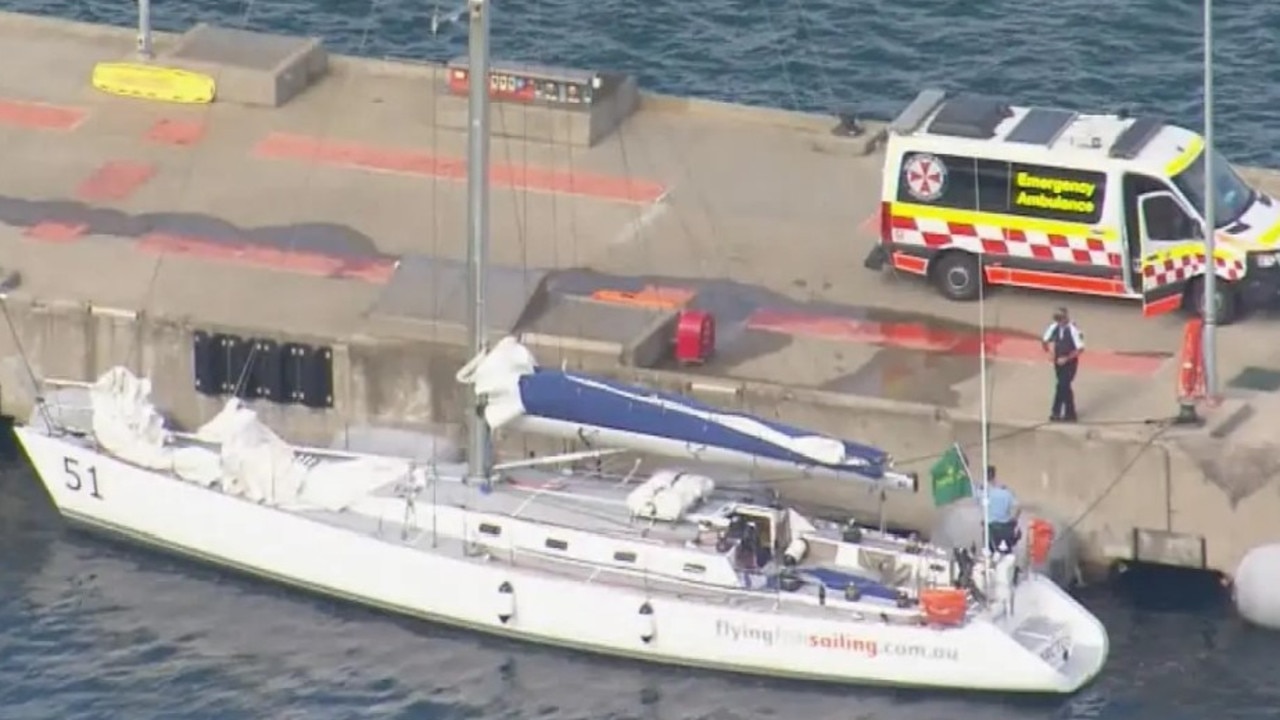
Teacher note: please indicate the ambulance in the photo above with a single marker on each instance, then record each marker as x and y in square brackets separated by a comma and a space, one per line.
[978, 191]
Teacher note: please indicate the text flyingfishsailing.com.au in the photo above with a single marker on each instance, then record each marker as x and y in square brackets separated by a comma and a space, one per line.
[838, 641]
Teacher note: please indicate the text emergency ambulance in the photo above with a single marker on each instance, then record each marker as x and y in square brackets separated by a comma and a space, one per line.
[1056, 200]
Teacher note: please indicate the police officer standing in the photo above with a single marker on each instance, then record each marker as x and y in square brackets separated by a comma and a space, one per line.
[1002, 514]
[1064, 342]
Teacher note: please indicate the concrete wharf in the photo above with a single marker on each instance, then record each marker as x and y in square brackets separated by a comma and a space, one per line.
[337, 217]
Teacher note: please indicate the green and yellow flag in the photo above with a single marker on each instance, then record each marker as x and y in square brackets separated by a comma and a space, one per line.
[950, 476]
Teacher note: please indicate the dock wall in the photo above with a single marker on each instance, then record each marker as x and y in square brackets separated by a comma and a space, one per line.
[1126, 494]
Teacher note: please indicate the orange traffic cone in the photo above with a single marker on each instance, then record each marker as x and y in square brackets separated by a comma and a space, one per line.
[1191, 387]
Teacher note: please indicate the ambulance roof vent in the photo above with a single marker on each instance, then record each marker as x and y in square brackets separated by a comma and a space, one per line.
[914, 114]
[1086, 137]
[1135, 137]
[970, 116]
[1041, 126]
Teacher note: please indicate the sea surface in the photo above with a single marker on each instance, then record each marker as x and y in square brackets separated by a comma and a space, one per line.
[871, 55]
[94, 630]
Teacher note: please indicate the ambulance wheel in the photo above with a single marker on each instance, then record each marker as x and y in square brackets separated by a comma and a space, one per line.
[956, 276]
[1226, 302]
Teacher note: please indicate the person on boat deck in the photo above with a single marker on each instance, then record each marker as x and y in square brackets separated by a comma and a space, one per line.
[1064, 342]
[1002, 514]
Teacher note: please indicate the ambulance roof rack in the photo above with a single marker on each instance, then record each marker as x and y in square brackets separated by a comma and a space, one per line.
[1041, 126]
[914, 114]
[970, 116]
[1135, 137]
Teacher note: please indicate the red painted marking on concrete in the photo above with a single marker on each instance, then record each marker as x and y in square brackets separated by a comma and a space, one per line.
[176, 132]
[115, 180]
[39, 116]
[284, 146]
[870, 226]
[916, 336]
[372, 270]
[56, 232]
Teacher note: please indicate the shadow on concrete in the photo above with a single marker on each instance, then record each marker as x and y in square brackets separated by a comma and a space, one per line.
[752, 322]
[909, 376]
[920, 374]
[734, 303]
[434, 290]
[329, 239]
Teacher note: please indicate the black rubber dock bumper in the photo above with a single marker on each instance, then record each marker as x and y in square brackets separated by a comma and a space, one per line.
[876, 259]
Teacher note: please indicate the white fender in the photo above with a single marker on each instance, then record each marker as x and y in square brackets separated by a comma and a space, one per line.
[795, 551]
[506, 602]
[646, 625]
[1256, 588]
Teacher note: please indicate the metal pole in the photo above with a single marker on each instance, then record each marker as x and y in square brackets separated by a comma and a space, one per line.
[144, 29]
[478, 453]
[986, 429]
[1210, 221]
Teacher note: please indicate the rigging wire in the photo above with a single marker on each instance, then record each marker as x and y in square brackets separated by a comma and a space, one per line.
[460, 430]
[521, 212]
[439, 20]
[572, 202]
[807, 28]
[133, 357]
[1122, 475]
[248, 6]
[520, 205]
[38, 400]
[771, 16]
[634, 230]
[988, 385]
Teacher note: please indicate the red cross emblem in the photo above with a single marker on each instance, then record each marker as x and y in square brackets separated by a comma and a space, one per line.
[926, 176]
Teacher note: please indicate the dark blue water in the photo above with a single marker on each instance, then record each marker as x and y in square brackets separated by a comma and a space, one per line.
[822, 54]
[93, 630]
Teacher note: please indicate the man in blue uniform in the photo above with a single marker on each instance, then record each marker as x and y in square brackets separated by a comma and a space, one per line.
[1002, 514]
[1064, 342]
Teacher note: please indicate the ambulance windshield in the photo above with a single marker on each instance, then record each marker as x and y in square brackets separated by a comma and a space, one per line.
[1233, 195]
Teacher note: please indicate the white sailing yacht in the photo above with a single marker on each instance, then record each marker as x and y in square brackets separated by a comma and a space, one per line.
[665, 567]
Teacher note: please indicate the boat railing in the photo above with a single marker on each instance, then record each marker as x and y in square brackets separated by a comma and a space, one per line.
[857, 611]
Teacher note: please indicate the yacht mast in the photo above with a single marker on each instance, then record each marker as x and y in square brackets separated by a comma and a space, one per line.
[478, 452]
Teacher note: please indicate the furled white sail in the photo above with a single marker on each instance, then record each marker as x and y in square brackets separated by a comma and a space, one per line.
[125, 423]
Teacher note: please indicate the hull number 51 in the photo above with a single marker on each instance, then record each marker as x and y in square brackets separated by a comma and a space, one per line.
[80, 477]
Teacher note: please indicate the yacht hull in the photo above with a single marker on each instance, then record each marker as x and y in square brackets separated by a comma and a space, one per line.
[411, 578]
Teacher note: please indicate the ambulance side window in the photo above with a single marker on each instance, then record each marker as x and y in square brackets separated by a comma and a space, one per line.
[941, 180]
[1055, 193]
[993, 186]
[1166, 220]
